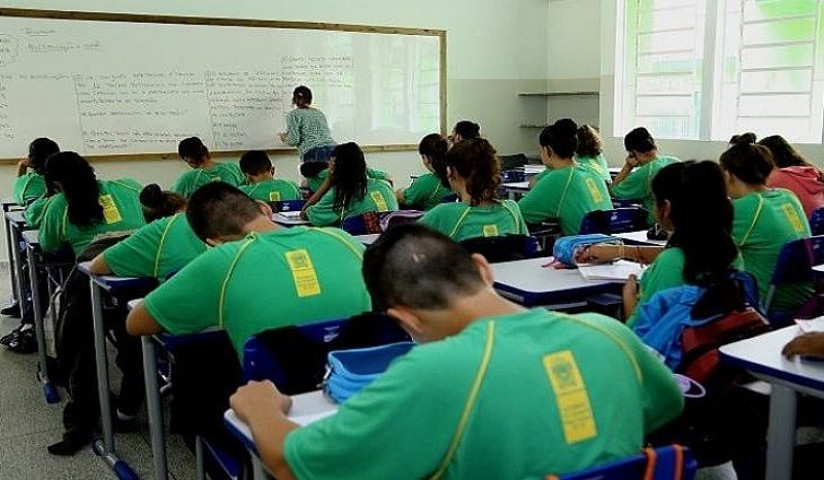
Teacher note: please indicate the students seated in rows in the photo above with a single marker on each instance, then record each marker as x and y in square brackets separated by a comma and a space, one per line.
[259, 276]
[30, 187]
[428, 190]
[642, 163]
[157, 250]
[765, 220]
[348, 191]
[315, 174]
[795, 173]
[204, 169]
[494, 391]
[568, 191]
[474, 174]
[465, 130]
[261, 182]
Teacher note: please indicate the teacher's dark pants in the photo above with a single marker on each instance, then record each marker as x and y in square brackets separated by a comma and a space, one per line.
[320, 154]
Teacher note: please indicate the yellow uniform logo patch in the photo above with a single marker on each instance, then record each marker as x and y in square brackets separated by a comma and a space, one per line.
[380, 202]
[274, 196]
[110, 212]
[572, 397]
[303, 272]
[593, 190]
[792, 217]
[490, 230]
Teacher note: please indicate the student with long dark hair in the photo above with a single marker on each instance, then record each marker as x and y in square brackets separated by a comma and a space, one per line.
[307, 128]
[348, 191]
[795, 173]
[427, 190]
[569, 190]
[204, 168]
[474, 174]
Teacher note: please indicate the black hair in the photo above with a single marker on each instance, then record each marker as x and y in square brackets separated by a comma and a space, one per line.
[218, 209]
[745, 138]
[413, 266]
[751, 163]
[467, 130]
[312, 169]
[702, 214]
[193, 150]
[561, 137]
[255, 162]
[783, 153]
[589, 142]
[302, 96]
[639, 140]
[158, 203]
[475, 160]
[39, 151]
[78, 184]
[349, 176]
[434, 146]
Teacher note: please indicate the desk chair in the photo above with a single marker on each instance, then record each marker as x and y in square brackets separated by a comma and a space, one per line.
[794, 265]
[505, 248]
[817, 222]
[609, 222]
[546, 233]
[374, 222]
[287, 205]
[673, 462]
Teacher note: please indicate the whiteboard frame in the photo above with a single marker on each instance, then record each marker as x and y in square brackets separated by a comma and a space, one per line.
[111, 17]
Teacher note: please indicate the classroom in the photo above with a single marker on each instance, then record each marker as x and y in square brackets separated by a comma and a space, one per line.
[522, 239]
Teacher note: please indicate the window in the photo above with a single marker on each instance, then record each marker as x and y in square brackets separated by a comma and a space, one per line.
[706, 69]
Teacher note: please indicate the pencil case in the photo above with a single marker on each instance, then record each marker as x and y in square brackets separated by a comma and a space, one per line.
[565, 248]
[350, 371]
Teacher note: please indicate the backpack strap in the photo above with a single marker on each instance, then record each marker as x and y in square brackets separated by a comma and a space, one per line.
[460, 221]
[163, 243]
[754, 220]
[222, 300]
[564, 194]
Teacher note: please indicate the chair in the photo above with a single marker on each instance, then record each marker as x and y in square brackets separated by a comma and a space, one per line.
[610, 222]
[817, 222]
[504, 248]
[287, 205]
[363, 224]
[673, 462]
[399, 218]
[794, 265]
[511, 162]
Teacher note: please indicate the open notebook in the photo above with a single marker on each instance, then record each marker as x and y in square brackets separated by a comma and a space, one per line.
[618, 271]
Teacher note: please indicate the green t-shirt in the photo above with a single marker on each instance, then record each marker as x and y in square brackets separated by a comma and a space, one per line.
[560, 393]
[764, 223]
[28, 188]
[34, 212]
[267, 280]
[598, 165]
[196, 178]
[275, 190]
[122, 212]
[462, 222]
[638, 185]
[425, 193]
[157, 250]
[567, 194]
[379, 198]
[314, 183]
[667, 271]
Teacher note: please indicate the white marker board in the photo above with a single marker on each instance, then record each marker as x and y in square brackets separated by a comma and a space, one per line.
[113, 85]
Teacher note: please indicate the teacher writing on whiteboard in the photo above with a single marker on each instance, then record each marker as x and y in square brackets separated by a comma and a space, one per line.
[307, 129]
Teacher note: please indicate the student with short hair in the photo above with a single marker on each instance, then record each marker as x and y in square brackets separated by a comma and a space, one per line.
[204, 169]
[642, 163]
[474, 173]
[766, 219]
[260, 177]
[427, 191]
[493, 391]
[307, 128]
[257, 277]
[569, 190]
[30, 188]
[795, 173]
[465, 130]
[348, 191]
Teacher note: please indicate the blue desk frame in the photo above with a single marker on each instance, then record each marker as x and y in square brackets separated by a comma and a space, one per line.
[9, 206]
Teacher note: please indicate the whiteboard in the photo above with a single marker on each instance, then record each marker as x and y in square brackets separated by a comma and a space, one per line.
[123, 87]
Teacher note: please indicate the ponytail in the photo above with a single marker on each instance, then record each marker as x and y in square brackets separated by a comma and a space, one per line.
[160, 204]
[475, 161]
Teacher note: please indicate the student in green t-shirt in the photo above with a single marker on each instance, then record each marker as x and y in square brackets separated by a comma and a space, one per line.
[634, 182]
[315, 175]
[492, 391]
[569, 190]
[157, 250]
[765, 220]
[474, 174]
[348, 191]
[204, 169]
[260, 177]
[428, 190]
[257, 277]
[30, 184]
[590, 152]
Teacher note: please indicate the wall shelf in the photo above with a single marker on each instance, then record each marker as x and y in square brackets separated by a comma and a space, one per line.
[534, 125]
[560, 94]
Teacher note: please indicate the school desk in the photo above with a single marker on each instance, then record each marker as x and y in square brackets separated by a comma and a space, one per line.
[761, 356]
[514, 189]
[16, 225]
[639, 238]
[8, 206]
[288, 221]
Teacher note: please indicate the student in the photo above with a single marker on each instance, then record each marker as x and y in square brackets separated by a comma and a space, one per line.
[307, 129]
[348, 191]
[204, 169]
[765, 220]
[642, 163]
[465, 130]
[569, 190]
[157, 250]
[743, 138]
[474, 174]
[86, 207]
[427, 191]
[262, 185]
[30, 184]
[315, 175]
[493, 391]
[259, 276]
[590, 151]
[795, 173]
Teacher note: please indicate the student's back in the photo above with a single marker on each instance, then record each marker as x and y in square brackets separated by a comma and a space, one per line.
[461, 221]
[190, 181]
[28, 188]
[274, 190]
[314, 182]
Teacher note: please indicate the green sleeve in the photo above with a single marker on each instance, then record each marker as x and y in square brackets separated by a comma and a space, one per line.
[542, 202]
[323, 213]
[422, 190]
[35, 210]
[19, 188]
[137, 256]
[181, 186]
[293, 129]
[52, 226]
[635, 186]
[376, 174]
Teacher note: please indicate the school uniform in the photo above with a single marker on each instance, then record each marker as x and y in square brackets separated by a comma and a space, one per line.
[314, 183]
[267, 280]
[597, 164]
[196, 178]
[559, 393]
[29, 188]
[35, 210]
[379, 197]
[567, 194]
[157, 250]
[460, 221]
[638, 185]
[274, 190]
[425, 192]
[764, 222]
[122, 213]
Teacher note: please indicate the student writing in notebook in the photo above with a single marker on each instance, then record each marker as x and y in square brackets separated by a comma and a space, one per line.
[260, 177]
[428, 190]
[204, 168]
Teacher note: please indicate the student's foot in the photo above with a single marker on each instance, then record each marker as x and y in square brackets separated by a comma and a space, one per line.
[8, 338]
[24, 343]
[71, 444]
[12, 310]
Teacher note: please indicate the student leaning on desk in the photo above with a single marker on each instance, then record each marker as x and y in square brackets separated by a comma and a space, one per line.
[496, 391]
[428, 190]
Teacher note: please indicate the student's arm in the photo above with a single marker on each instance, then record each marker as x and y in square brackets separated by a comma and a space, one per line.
[140, 322]
[629, 164]
[319, 193]
[22, 167]
[644, 255]
[542, 201]
[98, 266]
[51, 227]
[630, 296]
[400, 194]
[809, 344]
[323, 213]
[630, 184]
